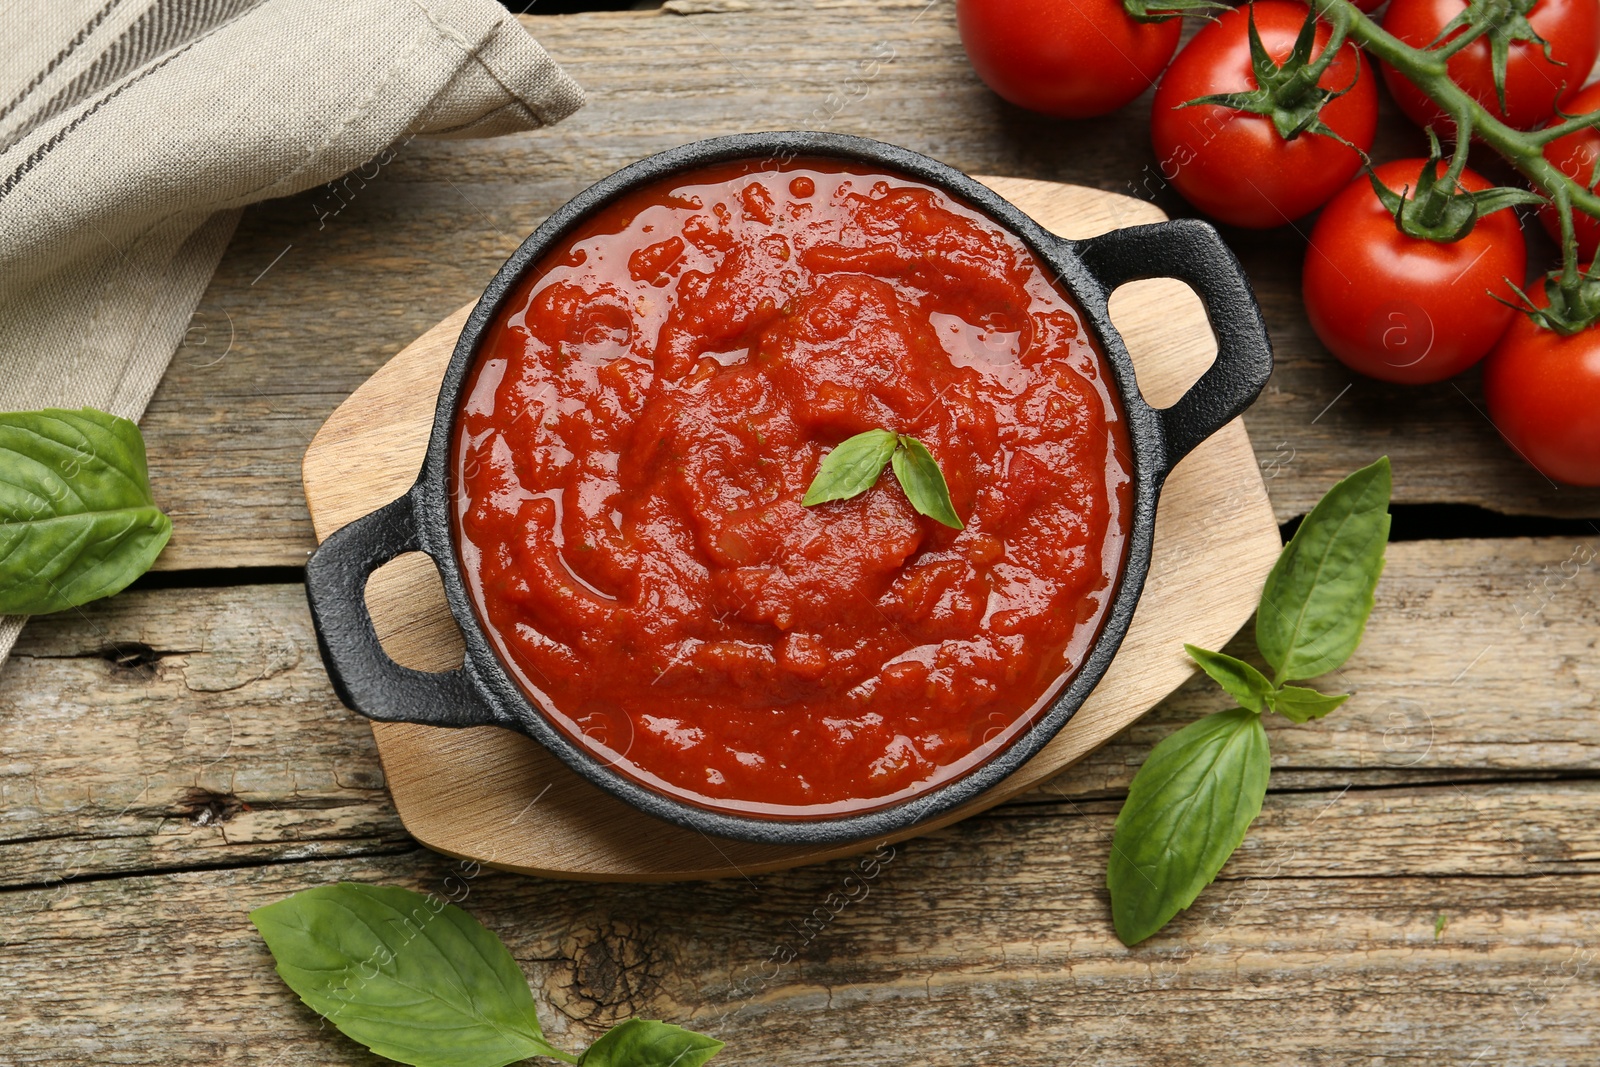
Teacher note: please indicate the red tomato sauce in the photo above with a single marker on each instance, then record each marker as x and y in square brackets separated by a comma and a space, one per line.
[648, 411]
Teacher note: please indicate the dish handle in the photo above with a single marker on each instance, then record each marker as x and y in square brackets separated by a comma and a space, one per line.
[1193, 252]
[362, 673]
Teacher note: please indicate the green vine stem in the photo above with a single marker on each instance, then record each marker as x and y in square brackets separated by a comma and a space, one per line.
[1426, 69]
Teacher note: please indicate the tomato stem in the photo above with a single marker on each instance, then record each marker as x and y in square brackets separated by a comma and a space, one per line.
[1572, 295]
[1290, 92]
[1426, 69]
[1339, 29]
[1433, 199]
[1569, 239]
[1458, 42]
[1574, 124]
[1458, 154]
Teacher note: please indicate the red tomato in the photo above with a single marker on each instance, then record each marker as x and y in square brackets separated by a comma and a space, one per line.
[1576, 155]
[1544, 397]
[1232, 164]
[1069, 58]
[1402, 309]
[1534, 84]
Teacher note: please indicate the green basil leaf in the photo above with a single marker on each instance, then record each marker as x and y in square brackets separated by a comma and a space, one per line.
[410, 977]
[77, 521]
[643, 1043]
[1187, 810]
[1242, 681]
[1318, 596]
[923, 482]
[1303, 705]
[851, 468]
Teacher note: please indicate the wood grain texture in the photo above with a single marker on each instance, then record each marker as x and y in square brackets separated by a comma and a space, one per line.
[986, 943]
[123, 931]
[495, 796]
[180, 729]
[317, 291]
[123, 936]
[218, 740]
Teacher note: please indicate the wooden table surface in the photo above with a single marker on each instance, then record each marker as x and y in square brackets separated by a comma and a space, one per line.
[1423, 885]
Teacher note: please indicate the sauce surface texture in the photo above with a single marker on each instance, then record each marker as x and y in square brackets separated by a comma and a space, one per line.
[647, 412]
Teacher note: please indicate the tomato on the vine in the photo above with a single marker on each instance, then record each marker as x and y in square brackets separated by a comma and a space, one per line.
[1400, 308]
[1069, 58]
[1543, 391]
[1233, 164]
[1577, 155]
[1535, 86]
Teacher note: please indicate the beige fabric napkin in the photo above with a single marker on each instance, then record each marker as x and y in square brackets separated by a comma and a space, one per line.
[132, 132]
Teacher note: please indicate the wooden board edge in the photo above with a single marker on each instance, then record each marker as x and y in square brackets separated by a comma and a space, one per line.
[1261, 559]
[342, 425]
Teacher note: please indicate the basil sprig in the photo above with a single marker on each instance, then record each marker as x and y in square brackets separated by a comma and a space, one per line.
[641, 1043]
[854, 465]
[77, 520]
[418, 980]
[1194, 798]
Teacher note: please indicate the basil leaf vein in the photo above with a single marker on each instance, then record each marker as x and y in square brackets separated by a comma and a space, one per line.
[856, 462]
[77, 519]
[646, 1043]
[1241, 680]
[412, 978]
[924, 483]
[1317, 598]
[1302, 705]
[1188, 808]
[851, 468]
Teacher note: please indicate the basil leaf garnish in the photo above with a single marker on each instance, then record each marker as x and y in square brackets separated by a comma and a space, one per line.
[77, 520]
[924, 483]
[851, 468]
[411, 977]
[1242, 681]
[644, 1043]
[1317, 598]
[1187, 810]
[1303, 705]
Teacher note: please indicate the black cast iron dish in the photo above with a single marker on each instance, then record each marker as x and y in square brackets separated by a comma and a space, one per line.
[481, 693]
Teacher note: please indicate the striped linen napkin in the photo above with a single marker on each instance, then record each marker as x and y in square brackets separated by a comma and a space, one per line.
[132, 133]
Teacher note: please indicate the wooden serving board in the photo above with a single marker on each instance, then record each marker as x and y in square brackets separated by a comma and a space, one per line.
[498, 797]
